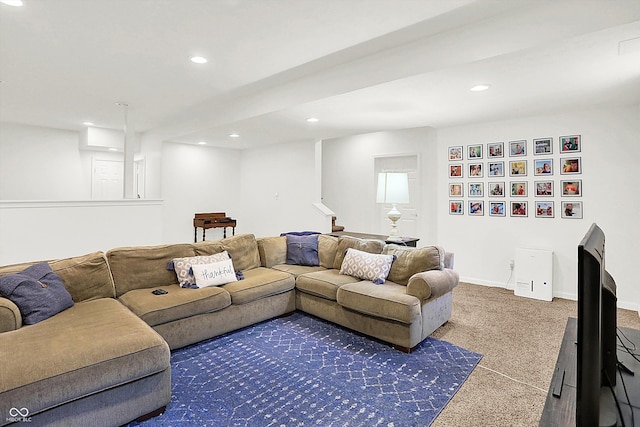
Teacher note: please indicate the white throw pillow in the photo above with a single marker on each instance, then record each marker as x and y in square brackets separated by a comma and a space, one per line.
[182, 266]
[366, 266]
[214, 274]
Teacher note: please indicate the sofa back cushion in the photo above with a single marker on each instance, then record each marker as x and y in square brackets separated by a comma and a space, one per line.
[327, 247]
[365, 245]
[410, 261]
[138, 267]
[243, 249]
[208, 247]
[272, 250]
[86, 277]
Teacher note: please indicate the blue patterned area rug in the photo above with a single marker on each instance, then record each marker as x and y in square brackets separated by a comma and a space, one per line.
[302, 371]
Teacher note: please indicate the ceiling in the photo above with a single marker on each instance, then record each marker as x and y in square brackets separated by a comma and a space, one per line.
[357, 65]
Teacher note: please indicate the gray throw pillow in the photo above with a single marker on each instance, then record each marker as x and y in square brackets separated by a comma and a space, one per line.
[302, 249]
[37, 291]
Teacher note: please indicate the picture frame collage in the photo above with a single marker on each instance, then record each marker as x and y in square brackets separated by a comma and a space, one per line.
[515, 176]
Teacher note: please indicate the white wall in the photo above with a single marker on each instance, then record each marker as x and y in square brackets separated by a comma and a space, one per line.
[198, 179]
[40, 230]
[279, 188]
[484, 245]
[43, 164]
[348, 182]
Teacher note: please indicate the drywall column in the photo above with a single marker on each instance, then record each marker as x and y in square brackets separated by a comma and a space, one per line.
[129, 149]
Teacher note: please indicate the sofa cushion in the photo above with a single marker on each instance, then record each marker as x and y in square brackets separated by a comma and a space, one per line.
[182, 266]
[207, 247]
[272, 250]
[365, 245]
[10, 317]
[91, 347]
[37, 291]
[324, 283]
[86, 277]
[259, 283]
[243, 249]
[410, 261]
[327, 246]
[297, 270]
[141, 267]
[388, 301]
[366, 266]
[177, 303]
[214, 274]
[302, 249]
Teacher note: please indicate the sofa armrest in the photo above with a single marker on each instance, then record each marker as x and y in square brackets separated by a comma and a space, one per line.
[432, 284]
[10, 317]
[448, 260]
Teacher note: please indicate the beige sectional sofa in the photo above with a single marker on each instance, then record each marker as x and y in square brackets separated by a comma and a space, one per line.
[413, 302]
[105, 360]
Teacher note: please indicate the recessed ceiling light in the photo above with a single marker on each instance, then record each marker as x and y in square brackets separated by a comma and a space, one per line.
[113, 149]
[234, 135]
[480, 87]
[199, 60]
[202, 143]
[12, 2]
[313, 120]
[87, 123]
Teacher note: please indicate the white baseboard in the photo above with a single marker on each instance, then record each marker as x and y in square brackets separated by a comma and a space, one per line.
[627, 305]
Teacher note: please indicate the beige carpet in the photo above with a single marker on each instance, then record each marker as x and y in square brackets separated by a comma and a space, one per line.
[519, 339]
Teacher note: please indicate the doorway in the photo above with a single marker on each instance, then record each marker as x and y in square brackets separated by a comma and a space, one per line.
[408, 224]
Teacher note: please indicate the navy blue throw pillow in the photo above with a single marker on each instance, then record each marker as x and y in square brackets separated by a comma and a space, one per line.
[37, 291]
[302, 249]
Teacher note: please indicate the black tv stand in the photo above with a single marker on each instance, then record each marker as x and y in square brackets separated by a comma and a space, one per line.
[560, 406]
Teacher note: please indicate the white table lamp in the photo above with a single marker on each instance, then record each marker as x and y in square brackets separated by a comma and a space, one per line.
[393, 187]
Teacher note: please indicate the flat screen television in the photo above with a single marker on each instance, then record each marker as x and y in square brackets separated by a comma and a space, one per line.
[596, 339]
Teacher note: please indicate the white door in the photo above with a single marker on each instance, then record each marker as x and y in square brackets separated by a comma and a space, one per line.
[408, 224]
[107, 179]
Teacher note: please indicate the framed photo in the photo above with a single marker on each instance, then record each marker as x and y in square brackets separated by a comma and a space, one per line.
[517, 148]
[518, 188]
[455, 189]
[474, 152]
[571, 188]
[570, 144]
[476, 207]
[572, 210]
[496, 168]
[543, 167]
[475, 170]
[455, 207]
[518, 209]
[542, 146]
[543, 188]
[518, 168]
[544, 210]
[495, 149]
[455, 153]
[476, 189]
[571, 165]
[496, 189]
[496, 209]
[455, 170]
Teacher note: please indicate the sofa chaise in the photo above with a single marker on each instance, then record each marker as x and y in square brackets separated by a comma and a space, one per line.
[106, 359]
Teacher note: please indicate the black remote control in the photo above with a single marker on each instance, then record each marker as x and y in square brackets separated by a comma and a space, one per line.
[159, 292]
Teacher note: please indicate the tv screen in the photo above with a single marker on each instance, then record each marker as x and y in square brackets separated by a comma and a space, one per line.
[596, 343]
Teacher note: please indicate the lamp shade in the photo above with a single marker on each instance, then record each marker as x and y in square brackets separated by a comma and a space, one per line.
[393, 187]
